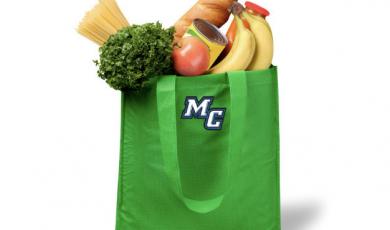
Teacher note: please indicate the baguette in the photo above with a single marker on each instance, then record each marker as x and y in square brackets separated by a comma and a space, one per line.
[214, 11]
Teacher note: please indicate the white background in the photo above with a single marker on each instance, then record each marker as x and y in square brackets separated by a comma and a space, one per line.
[59, 123]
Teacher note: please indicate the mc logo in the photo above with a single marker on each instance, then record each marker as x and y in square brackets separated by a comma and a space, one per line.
[213, 118]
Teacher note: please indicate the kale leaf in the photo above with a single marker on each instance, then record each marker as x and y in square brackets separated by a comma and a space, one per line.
[132, 58]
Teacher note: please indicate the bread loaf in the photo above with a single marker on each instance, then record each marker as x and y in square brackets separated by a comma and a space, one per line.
[214, 11]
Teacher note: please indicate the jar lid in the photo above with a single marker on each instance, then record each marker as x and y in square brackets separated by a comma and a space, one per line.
[257, 9]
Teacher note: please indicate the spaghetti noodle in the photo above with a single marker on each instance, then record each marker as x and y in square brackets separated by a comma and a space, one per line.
[102, 21]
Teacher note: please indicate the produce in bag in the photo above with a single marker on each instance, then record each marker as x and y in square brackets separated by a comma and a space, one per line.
[191, 57]
[241, 54]
[255, 15]
[254, 18]
[133, 56]
[203, 37]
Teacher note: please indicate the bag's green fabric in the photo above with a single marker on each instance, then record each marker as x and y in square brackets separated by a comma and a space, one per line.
[183, 173]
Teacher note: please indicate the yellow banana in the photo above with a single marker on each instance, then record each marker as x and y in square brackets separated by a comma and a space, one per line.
[241, 54]
[264, 42]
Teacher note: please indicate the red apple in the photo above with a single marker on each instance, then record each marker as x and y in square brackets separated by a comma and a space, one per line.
[191, 57]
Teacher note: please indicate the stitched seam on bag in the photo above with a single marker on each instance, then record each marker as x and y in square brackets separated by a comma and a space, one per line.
[205, 87]
[276, 102]
[121, 157]
[262, 83]
[223, 86]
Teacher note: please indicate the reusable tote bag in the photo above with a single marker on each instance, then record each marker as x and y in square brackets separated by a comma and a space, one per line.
[201, 153]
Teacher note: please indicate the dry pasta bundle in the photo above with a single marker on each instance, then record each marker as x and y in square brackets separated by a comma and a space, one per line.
[104, 20]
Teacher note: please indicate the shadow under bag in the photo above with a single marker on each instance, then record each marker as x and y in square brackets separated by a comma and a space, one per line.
[201, 153]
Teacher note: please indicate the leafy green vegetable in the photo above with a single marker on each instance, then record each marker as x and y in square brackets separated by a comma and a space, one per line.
[133, 57]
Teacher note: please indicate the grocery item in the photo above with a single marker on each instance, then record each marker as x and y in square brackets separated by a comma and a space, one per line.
[133, 57]
[191, 57]
[102, 21]
[255, 15]
[231, 34]
[210, 35]
[243, 48]
[214, 11]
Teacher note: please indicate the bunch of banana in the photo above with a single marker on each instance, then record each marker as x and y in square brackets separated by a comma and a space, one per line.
[241, 54]
[264, 42]
[252, 48]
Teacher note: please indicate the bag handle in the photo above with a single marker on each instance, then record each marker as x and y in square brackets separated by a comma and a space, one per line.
[166, 103]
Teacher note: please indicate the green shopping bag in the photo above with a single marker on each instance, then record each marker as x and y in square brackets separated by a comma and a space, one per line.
[201, 153]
